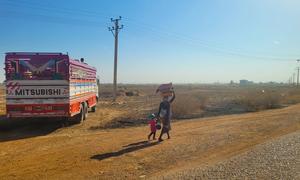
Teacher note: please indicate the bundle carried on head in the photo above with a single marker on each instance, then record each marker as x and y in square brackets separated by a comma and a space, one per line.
[165, 89]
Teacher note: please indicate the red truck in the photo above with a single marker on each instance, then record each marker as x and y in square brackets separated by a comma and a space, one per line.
[49, 85]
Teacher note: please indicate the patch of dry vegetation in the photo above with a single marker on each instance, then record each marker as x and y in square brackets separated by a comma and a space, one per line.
[260, 100]
[195, 101]
[188, 106]
[292, 96]
[256, 99]
[2, 101]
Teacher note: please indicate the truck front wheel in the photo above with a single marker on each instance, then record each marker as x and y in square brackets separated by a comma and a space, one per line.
[86, 110]
[94, 108]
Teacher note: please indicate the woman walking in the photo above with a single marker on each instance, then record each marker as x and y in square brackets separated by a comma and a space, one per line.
[164, 114]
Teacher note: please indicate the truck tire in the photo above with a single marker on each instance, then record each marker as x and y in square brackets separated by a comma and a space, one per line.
[86, 111]
[65, 121]
[94, 108]
[80, 116]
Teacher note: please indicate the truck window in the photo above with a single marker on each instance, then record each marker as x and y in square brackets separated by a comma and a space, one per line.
[11, 68]
[52, 69]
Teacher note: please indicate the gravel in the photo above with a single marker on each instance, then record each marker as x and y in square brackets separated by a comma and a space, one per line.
[276, 159]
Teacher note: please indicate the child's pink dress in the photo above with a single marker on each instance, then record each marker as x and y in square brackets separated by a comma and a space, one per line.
[152, 123]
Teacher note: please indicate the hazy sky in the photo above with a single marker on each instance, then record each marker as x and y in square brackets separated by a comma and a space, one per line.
[162, 40]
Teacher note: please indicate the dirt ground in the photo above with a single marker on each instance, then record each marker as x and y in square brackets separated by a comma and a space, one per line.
[44, 149]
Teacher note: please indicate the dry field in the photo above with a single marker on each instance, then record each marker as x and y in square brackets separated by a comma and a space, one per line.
[194, 101]
[111, 143]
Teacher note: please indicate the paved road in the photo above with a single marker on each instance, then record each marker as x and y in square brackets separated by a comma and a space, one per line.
[276, 159]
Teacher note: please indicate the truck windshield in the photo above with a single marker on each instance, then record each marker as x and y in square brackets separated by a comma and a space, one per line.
[30, 69]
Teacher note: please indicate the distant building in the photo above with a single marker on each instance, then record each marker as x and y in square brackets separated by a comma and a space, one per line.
[245, 82]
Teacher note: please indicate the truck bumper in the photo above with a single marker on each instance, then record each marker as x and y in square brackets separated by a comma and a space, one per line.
[33, 115]
[38, 110]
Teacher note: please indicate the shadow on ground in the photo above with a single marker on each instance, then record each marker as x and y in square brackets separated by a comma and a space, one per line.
[127, 149]
[27, 128]
[121, 122]
[137, 143]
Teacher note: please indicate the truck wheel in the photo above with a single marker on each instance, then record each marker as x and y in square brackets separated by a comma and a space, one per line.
[65, 121]
[80, 116]
[86, 111]
[94, 108]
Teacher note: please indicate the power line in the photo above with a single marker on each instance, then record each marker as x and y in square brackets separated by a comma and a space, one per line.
[56, 9]
[145, 26]
[49, 19]
[205, 44]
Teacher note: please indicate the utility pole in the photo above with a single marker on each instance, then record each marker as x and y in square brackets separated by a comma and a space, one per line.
[115, 31]
[298, 60]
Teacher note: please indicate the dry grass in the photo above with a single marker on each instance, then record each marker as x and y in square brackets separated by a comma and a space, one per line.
[256, 100]
[188, 106]
[194, 101]
[292, 96]
[2, 101]
[260, 100]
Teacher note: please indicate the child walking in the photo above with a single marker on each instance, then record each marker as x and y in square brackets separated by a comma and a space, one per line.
[152, 123]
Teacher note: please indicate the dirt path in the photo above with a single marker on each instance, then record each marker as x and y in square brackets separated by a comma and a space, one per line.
[79, 153]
